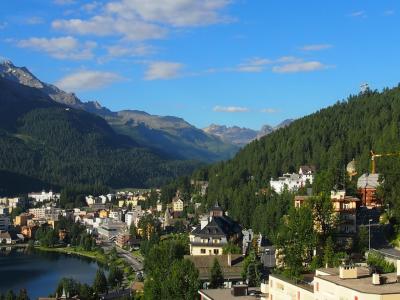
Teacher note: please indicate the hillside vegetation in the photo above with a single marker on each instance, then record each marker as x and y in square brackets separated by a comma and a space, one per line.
[44, 141]
[328, 139]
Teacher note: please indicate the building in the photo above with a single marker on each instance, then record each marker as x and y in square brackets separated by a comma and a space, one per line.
[123, 239]
[281, 288]
[43, 196]
[110, 229]
[236, 292]
[214, 233]
[347, 282]
[231, 267]
[22, 219]
[103, 213]
[4, 223]
[5, 238]
[351, 282]
[367, 185]
[11, 202]
[293, 182]
[177, 205]
[346, 209]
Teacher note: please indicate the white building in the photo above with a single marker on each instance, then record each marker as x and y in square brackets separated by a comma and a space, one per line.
[43, 196]
[343, 283]
[292, 182]
[10, 202]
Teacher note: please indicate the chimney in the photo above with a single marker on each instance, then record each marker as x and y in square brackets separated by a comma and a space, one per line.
[348, 272]
[376, 279]
[229, 260]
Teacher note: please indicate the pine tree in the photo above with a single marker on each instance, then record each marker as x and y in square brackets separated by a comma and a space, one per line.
[216, 275]
[100, 282]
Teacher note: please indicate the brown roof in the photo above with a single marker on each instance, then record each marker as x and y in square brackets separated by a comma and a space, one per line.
[204, 264]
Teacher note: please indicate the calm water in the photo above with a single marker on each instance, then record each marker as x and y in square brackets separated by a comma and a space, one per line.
[40, 272]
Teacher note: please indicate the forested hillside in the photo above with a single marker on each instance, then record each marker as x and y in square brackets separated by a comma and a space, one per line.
[328, 139]
[167, 134]
[49, 144]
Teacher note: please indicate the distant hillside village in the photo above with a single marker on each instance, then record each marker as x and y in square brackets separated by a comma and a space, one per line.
[246, 259]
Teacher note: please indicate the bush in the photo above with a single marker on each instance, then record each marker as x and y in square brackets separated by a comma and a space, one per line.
[378, 262]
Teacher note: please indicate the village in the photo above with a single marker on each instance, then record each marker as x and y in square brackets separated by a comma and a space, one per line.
[124, 220]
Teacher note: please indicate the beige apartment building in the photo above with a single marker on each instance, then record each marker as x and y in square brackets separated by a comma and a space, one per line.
[343, 283]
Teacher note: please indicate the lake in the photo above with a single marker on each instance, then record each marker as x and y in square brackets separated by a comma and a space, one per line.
[39, 272]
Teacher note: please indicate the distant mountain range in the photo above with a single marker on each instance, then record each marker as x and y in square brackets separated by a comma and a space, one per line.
[241, 136]
[166, 134]
[171, 135]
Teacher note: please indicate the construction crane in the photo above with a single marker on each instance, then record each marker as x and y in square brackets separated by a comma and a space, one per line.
[375, 155]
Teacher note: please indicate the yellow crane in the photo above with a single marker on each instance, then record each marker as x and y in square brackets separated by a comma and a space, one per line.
[375, 155]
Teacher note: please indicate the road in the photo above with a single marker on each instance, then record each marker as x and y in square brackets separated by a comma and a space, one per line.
[135, 262]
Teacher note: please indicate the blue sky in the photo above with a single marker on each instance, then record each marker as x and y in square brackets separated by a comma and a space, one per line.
[231, 62]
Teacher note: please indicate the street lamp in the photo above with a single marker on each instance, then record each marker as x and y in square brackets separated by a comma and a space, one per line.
[369, 235]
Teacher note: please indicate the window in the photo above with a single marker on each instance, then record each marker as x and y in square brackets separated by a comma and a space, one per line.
[216, 251]
[203, 251]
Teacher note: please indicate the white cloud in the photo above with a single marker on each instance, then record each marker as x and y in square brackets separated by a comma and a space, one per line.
[316, 47]
[90, 7]
[172, 12]
[136, 50]
[63, 2]
[34, 20]
[61, 48]
[306, 66]
[163, 70]
[358, 14]
[87, 80]
[269, 110]
[142, 20]
[254, 65]
[230, 109]
[128, 28]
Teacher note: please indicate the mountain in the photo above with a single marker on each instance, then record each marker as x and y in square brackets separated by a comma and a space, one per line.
[46, 143]
[234, 135]
[241, 136]
[173, 136]
[328, 139]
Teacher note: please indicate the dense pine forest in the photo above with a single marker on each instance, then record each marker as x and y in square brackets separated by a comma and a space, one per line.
[45, 144]
[328, 139]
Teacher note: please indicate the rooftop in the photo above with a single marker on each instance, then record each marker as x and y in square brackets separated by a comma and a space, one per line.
[225, 294]
[363, 283]
[204, 264]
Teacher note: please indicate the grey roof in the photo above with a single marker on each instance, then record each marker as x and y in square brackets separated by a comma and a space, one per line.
[368, 181]
[218, 227]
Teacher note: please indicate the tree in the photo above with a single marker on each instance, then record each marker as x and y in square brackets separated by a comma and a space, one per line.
[252, 270]
[115, 277]
[231, 249]
[323, 216]
[216, 275]
[329, 253]
[362, 239]
[132, 230]
[297, 240]
[10, 295]
[100, 282]
[183, 282]
[23, 295]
